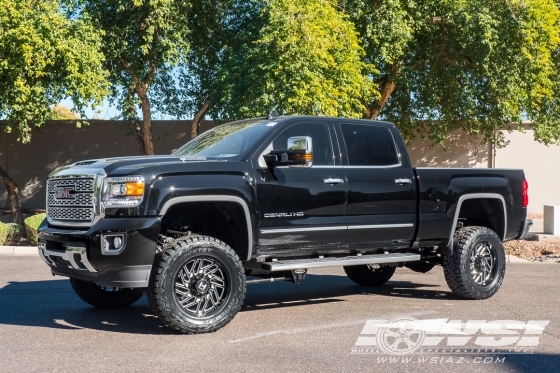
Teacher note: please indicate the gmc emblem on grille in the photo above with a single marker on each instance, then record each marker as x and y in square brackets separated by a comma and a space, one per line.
[65, 192]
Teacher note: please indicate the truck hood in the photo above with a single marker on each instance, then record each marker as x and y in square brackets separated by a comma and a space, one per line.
[140, 165]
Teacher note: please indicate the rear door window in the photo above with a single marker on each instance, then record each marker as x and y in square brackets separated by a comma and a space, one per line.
[369, 145]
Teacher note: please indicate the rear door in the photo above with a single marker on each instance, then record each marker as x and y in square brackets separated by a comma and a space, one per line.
[381, 207]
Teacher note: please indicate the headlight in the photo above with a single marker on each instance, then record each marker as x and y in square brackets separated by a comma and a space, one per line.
[122, 191]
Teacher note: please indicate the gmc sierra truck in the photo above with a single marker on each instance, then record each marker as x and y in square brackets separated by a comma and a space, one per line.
[264, 200]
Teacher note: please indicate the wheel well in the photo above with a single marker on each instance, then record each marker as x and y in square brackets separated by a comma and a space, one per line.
[484, 212]
[225, 221]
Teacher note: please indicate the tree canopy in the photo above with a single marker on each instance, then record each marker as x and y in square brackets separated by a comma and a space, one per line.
[297, 57]
[45, 57]
[472, 64]
[141, 40]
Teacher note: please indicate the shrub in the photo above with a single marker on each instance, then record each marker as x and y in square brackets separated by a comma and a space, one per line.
[31, 225]
[13, 234]
[3, 233]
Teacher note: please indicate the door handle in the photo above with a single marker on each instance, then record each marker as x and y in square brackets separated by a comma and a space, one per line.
[403, 181]
[332, 180]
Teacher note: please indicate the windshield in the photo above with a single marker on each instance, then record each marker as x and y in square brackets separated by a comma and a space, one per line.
[228, 140]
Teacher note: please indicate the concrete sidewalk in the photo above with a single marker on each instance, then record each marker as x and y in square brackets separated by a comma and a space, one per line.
[19, 250]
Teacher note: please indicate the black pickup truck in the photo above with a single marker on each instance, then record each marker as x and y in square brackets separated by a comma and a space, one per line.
[264, 200]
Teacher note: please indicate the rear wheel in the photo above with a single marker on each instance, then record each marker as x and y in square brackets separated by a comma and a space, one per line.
[197, 285]
[476, 268]
[369, 275]
[104, 297]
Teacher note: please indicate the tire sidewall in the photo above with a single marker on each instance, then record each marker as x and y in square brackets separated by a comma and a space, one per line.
[482, 292]
[233, 273]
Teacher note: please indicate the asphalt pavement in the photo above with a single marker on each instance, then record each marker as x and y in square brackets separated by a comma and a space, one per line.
[318, 326]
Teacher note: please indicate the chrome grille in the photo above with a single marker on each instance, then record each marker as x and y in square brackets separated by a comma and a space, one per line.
[82, 199]
[80, 185]
[71, 200]
[65, 213]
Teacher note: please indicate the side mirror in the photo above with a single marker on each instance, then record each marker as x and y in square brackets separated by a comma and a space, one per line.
[174, 150]
[298, 153]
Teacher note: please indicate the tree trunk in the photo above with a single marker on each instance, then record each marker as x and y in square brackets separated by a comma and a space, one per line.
[387, 87]
[147, 147]
[136, 128]
[199, 116]
[15, 204]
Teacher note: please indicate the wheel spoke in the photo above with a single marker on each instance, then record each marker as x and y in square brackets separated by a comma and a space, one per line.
[391, 333]
[482, 263]
[201, 286]
[189, 304]
[395, 345]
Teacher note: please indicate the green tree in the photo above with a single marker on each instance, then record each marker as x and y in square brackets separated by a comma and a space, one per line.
[44, 57]
[297, 57]
[472, 64]
[142, 41]
[215, 26]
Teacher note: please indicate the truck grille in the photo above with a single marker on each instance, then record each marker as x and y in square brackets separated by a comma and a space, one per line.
[71, 200]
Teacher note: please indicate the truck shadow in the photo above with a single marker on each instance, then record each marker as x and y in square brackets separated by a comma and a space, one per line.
[53, 304]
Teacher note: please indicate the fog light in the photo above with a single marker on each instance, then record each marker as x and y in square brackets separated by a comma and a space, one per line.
[117, 242]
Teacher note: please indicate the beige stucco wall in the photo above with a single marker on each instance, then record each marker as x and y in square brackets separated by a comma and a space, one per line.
[462, 151]
[541, 165]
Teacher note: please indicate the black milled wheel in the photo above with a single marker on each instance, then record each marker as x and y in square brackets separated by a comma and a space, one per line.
[367, 275]
[104, 297]
[476, 268]
[197, 285]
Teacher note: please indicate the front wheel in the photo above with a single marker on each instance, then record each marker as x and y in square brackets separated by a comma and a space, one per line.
[104, 297]
[476, 268]
[197, 285]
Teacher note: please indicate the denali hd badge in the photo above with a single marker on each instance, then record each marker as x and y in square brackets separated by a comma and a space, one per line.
[65, 192]
[283, 214]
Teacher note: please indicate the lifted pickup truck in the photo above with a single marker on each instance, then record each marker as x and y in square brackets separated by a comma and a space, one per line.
[264, 200]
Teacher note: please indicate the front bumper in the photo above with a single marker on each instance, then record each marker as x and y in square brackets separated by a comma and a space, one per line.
[84, 254]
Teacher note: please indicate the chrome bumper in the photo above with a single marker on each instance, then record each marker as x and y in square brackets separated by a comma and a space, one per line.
[68, 255]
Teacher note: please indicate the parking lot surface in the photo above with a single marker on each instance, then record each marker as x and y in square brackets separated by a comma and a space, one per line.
[316, 326]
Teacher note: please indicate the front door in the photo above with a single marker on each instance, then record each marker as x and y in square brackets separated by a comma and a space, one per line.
[303, 208]
[381, 209]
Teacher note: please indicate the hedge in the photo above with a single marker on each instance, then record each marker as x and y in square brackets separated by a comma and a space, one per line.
[31, 225]
[10, 234]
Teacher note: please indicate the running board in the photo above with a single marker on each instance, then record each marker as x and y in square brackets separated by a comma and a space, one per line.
[288, 265]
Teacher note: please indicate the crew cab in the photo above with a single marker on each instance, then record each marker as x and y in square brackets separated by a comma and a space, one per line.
[266, 199]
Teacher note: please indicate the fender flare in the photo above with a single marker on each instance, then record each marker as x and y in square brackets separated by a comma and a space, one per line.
[217, 198]
[448, 249]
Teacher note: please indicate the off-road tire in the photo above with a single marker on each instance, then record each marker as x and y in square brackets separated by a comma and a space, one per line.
[168, 278]
[366, 276]
[457, 266]
[103, 297]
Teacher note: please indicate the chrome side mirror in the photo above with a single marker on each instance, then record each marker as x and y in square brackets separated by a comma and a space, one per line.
[299, 153]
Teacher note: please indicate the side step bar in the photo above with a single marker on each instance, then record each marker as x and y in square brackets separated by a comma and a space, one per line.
[288, 265]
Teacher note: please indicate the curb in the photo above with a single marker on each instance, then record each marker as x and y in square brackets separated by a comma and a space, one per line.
[18, 250]
[514, 259]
